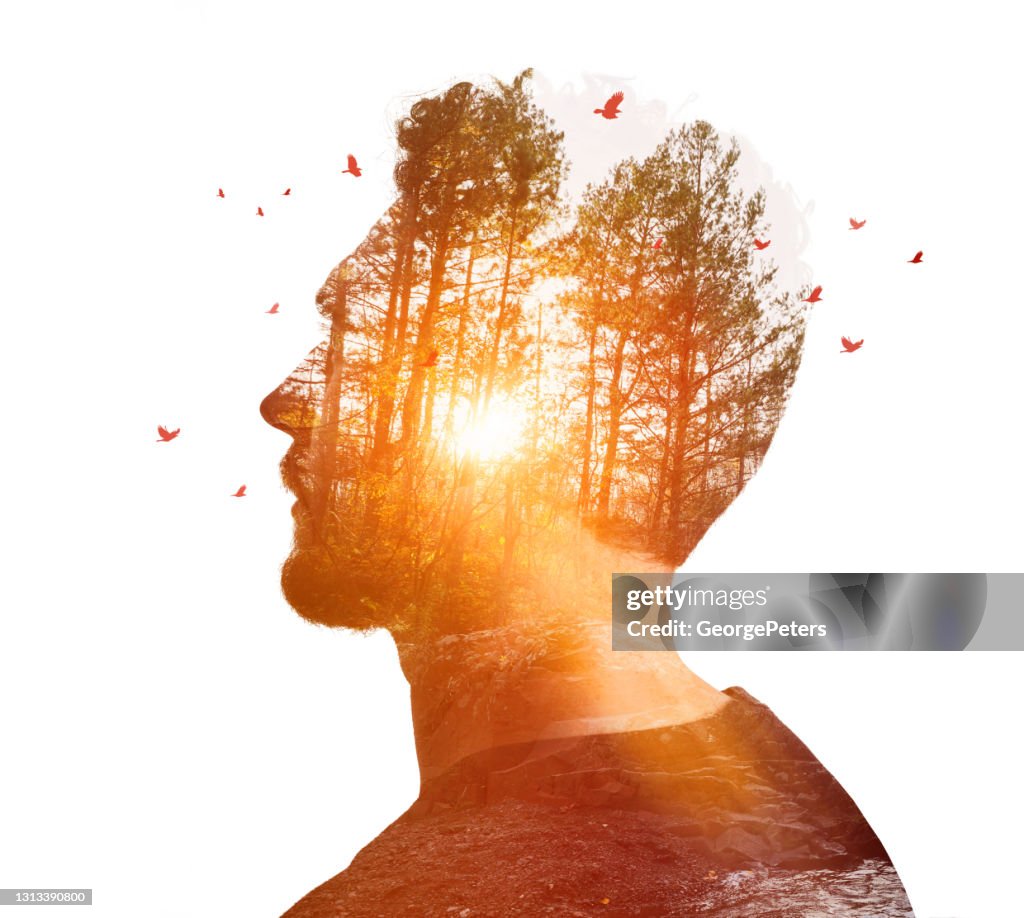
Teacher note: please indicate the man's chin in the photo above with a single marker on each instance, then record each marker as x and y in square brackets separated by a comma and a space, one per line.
[326, 591]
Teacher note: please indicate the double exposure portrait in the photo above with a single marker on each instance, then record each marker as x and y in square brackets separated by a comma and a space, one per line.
[520, 391]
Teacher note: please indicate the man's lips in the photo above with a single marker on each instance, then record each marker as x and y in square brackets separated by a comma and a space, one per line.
[293, 471]
[293, 477]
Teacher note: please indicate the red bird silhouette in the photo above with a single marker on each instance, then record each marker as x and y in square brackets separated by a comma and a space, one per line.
[815, 296]
[850, 346]
[916, 260]
[286, 192]
[353, 167]
[761, 246]
[259, 211]
[240, 492]
[856, 224]
[220, 192]
[657, 245]
[431, 360]
[167, 435]
[611, 107]
[273, 309]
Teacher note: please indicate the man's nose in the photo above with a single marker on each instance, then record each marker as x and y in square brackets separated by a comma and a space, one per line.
[292, 406]
[272, 409]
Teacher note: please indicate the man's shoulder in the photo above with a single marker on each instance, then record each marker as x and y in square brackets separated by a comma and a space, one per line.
[514, 857]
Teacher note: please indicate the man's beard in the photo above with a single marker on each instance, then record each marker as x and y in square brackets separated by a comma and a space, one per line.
[325, 588]
[321, 579]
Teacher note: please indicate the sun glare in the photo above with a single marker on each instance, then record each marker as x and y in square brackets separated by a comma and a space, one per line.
[493, 435]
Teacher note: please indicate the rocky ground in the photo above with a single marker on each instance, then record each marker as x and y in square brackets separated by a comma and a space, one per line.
[529, 860]
[519, 859]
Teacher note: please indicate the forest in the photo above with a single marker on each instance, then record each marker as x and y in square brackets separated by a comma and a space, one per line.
[510, 380]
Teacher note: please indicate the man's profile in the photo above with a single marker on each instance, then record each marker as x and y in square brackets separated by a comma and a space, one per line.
[516, 397]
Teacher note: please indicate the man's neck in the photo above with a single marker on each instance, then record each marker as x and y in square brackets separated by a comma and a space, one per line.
[487, 689]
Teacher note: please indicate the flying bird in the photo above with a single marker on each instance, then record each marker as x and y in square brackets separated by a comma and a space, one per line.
[259, 211]
[286, 192]
[611, 107]
[240, 492]
[657, 245]
[916, 260]
[167, 435]
[850, 346]
[220, 192]
[761, 246]
[353, 167]
[815, 296]
[856, 224]
[273, 309]
[431, 361]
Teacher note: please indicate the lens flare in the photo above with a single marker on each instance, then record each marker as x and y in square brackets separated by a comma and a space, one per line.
[494, 434]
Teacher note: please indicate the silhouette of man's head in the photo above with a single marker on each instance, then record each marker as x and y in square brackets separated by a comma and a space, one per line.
[515, 396]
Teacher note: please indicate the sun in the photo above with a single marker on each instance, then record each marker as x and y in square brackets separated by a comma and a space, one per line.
[495, 434]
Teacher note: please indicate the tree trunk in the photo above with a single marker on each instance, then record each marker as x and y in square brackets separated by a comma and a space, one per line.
[614, 421]
[583, 501]
[460, 345]
[412, 406]
[706, 475]
[325, 436]
[654, 524]
[393, 338]
[684, 396]
[492, 362]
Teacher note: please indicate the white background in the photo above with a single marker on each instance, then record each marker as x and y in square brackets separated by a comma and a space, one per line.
[170, 729]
